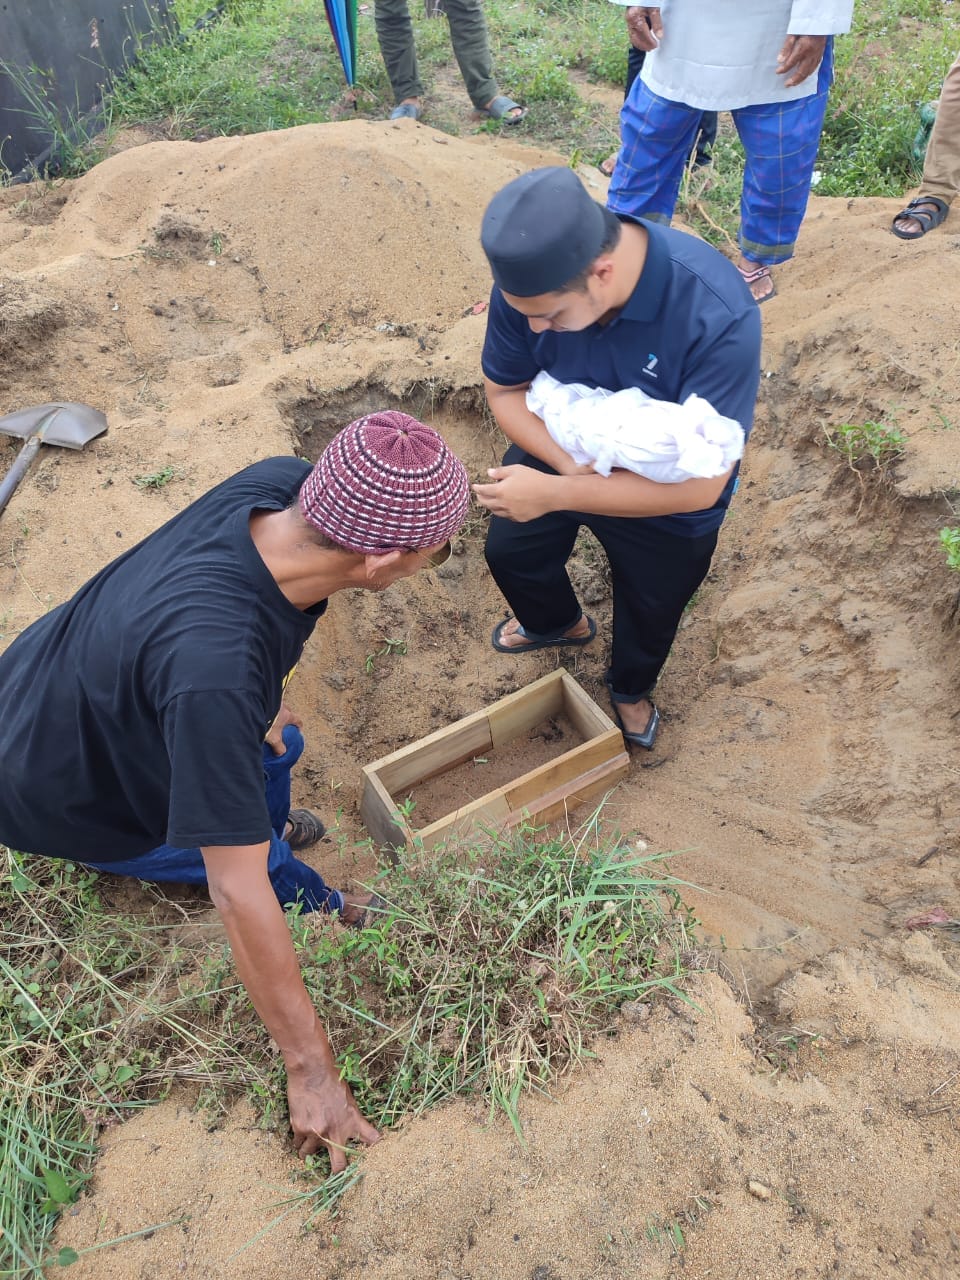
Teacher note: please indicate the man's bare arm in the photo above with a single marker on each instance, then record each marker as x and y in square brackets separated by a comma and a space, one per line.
[509, 406]
[322, 1109]
[523, 493]
[800, 55]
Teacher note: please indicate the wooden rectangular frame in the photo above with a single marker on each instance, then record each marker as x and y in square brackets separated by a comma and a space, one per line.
[583, 773]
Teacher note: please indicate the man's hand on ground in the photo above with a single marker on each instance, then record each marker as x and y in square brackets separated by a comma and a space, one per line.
[322, 1109]
[324, 1114]
[800, 55]
[274, 738]
[644, 26]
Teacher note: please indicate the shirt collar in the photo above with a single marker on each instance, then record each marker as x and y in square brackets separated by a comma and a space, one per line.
[647, 297]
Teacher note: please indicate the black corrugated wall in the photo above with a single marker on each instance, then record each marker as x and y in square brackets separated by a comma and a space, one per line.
[65, 50]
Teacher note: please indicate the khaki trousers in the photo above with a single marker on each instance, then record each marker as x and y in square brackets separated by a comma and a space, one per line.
[941, 168]
[468, 35]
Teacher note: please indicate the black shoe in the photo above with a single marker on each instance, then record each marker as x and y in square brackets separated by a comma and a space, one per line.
[305, 829]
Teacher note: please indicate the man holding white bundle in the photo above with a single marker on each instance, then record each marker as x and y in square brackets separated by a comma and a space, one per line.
[613, 303]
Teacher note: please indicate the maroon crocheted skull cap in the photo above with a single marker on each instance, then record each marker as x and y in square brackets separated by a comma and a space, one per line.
[386, 482]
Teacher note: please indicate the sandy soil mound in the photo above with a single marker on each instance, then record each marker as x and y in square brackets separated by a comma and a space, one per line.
[227, 300]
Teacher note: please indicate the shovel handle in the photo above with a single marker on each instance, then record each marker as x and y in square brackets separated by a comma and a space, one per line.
[17, 471]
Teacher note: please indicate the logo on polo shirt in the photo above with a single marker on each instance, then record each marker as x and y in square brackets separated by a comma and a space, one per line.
[651, 365]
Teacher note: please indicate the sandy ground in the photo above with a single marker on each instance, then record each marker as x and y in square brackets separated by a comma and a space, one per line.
[228, 300]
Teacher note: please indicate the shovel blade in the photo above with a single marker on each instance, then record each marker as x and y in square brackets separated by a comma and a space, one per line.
[66, 423]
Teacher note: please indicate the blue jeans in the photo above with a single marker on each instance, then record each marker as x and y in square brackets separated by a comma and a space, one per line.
[293, 881]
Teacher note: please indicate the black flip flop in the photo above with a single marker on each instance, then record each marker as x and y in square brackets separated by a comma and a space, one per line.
[927, 218]
[500, 109]
[649, 735]
[558, 642]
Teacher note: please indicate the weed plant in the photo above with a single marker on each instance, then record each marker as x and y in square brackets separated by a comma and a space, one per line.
[72, 138]
[867, 444]
[155, 479]
[950, 541]
[488, 971]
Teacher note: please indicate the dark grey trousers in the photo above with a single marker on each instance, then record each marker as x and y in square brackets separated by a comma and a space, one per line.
[471, 46]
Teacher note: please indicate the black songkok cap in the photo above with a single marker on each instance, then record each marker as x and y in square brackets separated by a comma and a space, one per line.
[542, 230]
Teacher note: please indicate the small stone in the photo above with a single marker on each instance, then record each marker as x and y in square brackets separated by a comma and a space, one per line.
[759, 1189]
[635, 1011]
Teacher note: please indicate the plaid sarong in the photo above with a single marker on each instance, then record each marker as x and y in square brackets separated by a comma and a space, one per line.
[780, 141]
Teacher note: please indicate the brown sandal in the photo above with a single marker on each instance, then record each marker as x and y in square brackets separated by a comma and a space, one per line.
[751, 277]
[376, 906]
[305, 829]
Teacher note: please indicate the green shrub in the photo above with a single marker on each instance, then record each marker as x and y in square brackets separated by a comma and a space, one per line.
[858, 442]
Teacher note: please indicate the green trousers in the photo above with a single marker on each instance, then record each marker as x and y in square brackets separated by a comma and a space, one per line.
[471, 47]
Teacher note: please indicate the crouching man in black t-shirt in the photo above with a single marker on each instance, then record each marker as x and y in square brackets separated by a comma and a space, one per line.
[144, 729]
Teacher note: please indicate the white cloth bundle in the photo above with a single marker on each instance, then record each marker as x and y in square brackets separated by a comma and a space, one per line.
[665, 442]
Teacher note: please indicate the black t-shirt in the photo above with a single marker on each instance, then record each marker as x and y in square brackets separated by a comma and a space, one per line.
[134, 714]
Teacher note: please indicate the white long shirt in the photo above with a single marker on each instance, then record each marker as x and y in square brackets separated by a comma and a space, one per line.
[718, 55]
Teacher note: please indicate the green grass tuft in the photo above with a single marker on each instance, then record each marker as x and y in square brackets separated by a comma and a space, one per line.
[492, 968]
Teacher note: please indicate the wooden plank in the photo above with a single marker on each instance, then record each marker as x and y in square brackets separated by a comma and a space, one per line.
[434, 754]
[379, 813]
[519, 712]
[588, 719]
[564, 769]
[559, 802]
[490, 810]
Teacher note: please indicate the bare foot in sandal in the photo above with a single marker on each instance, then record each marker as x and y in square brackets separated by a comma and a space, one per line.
[920, 216]
[509, 634]
[758, 280]
[503, 108]
[355, 906]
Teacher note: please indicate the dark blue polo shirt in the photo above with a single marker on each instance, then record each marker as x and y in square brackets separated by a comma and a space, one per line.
[690, 327]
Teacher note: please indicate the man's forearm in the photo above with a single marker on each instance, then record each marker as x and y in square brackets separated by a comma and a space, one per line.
[521, 427]
[624, 494]
[264, 955]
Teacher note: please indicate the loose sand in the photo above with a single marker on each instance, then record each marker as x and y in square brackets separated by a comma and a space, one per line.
[232, 299]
